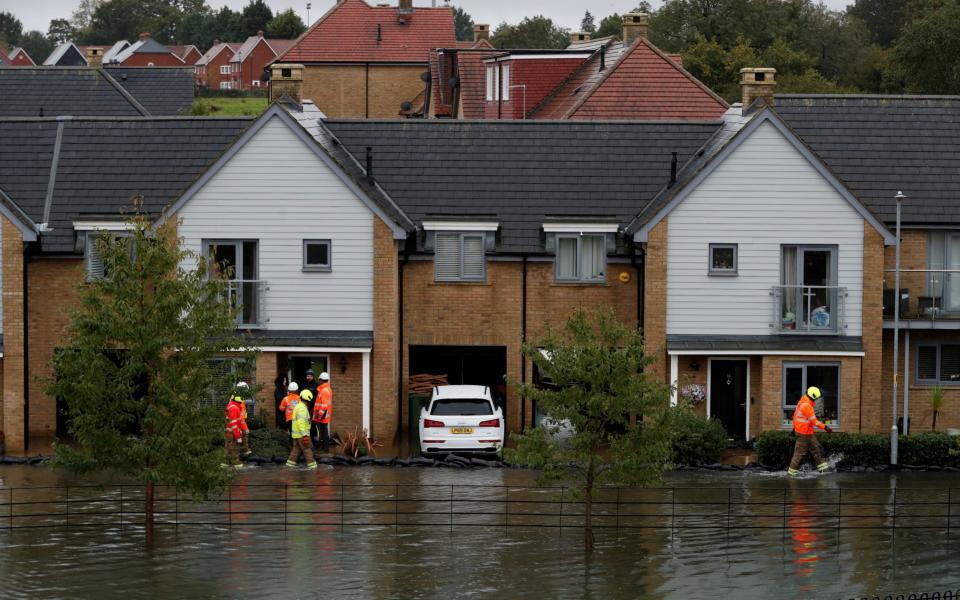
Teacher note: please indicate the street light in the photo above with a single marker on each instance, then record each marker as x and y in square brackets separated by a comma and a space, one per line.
[309, 6]
[900, 197]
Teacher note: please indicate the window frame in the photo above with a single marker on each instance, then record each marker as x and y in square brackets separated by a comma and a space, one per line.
[225, 69]
[579, 277]
[784, 407]
[939, 358]
[833, 287]
[90, 250]
[462, 235]
[731, 272]
[505, 82]
[314, 268]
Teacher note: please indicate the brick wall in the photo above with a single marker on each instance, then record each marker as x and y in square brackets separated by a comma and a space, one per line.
[655, 297]
[11, 415]
[341, 90]
[268, 366]
[913, 255]
[771, 388]
[386, 334]
[391, 86]
[347, 392]
[921, 415]
[873, 259]
[688, 376]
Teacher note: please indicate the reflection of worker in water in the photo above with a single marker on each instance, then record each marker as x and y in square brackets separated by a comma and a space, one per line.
[806, 541]
[805, 424]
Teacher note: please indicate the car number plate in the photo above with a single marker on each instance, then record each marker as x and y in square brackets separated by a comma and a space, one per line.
[461, 430]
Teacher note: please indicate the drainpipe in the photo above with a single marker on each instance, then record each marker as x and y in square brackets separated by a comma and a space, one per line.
[400, 398]
[523, 338]
[26, 350]
[366, 91]
[499, 91]
[641, 268]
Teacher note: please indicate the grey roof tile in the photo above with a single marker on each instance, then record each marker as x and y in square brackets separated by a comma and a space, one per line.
[162, 90]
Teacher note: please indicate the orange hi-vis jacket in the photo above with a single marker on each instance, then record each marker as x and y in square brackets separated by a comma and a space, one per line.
[805, 419]
[323, 408]
[288, 404]
[243, 417]
[234, 418]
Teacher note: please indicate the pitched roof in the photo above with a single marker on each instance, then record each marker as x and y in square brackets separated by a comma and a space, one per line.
[212, 53]
[64, 50]
[522, 173]
[639, 82]
[161, 90]
[349, 33]
[277, 46]
[882, 144]
[184, 50]
[52, 91]
[20, 54]
[144, 46]
[114, 50]
[101, 164]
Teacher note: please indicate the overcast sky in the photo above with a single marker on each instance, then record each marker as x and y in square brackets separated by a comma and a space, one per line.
[36, 14]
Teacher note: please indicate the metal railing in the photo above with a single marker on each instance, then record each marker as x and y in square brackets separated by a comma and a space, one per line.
[808, 309]
[338, 506]
[248, 295]
[927, 293]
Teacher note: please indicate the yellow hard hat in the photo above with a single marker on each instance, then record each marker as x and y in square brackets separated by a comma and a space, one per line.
[306, 395]
[813, 393]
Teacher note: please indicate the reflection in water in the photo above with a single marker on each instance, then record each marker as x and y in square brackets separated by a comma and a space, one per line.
[307, 556]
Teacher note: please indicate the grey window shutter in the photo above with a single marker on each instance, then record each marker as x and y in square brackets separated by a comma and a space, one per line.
[927, 363]
[447, 256]
[949, 362]
[95, 269]
[474, 257]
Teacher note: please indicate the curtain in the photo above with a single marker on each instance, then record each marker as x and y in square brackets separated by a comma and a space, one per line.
[789, 293]
[593, 257]
[567, 258]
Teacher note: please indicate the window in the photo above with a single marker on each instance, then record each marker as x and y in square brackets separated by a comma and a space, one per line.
[236, 262]
[316, 255]
[581, 258]
[938, 363]
[255, 83]
[225, 85]
[506, 83]
[723, 259]
[286, 73]
[224, 69]
[96, 267]
[490, 85]
[227, 373]
[809, 295]
[461, 407]
[797, 377]
[460, 256]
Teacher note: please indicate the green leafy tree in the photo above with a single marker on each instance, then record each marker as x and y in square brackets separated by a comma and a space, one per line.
[588, 24]
[463, 23]
[532, 32]
[926, 58]
[287, 25]
[136, 365]
[11, 29]
[883, 18]
[60, 31]
[610, 26]
[37, 45]
[255, 17]
[598, 367]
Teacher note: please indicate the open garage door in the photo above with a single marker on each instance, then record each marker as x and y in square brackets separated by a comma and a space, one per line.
[465, 365]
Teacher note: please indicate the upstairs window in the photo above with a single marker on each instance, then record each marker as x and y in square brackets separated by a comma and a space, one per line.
[316, 255]
[224, 69]
[723, 259]
[460, 256]
[581, 258]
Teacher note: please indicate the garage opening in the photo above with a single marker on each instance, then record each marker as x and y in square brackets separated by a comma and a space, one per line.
[465, 365]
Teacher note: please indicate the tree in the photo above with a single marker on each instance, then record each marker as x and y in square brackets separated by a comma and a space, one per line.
[60, 31]
[588, 24]
[287, 25]
[11, 29]
[255, 17]
[883, 18]
[81, 20]
[532, 32]
[600, 373]
[137, 363]
[463, 23]
[610, 26]
[926, 58]
[37, 45]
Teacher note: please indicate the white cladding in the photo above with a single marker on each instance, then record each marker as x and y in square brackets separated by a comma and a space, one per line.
[763, 195]
[276, 191]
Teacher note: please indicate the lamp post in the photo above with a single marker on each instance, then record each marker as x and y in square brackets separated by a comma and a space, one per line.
[309, 6]
[896, 337]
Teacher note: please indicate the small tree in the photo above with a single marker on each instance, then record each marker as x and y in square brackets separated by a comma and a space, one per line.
[287, 25]
[137, 364]
[588, 24]
[936, 403]
[597, 365]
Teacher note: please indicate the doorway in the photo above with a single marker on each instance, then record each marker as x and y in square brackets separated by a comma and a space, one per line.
[465, 365]
[728, 395]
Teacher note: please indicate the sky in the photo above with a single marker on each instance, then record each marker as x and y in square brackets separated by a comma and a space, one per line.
[36, 14]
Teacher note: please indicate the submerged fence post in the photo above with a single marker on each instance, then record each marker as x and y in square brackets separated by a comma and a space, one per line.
[560, 527]
[949, 508]
[784, 527]
[396, 507]
[894, 509]
[11, 509]
[341, 508]
[121, 508]
[673, 510]
[451, 509]
[286, 488]
[67, 502]
[230, 507]
[506, 509]
[618, 509]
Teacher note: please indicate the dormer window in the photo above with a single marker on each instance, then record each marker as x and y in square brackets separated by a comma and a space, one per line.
[460, 249]
[580, 250]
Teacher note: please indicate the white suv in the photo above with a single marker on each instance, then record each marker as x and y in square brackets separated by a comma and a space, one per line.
[461, 419]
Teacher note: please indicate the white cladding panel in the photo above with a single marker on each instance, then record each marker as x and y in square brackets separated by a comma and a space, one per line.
[765, 194]
[277, 191]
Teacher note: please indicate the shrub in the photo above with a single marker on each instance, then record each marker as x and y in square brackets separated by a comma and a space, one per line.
[774, 449]
[695, 440]
[268, 443]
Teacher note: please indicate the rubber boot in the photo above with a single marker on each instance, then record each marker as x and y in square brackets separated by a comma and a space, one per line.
[793, 472]
[291, 465]
[823, 467]
[312, 466]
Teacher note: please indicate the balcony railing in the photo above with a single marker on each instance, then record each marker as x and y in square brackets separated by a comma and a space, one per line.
[248, 295]
[932, 294]
[808, 309]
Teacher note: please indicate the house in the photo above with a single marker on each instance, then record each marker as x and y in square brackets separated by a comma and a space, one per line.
[66, 55]
[213, 69]
[147, 52]
[17, 57]
[359, 60]
[251, 58]
[189, 53]
[81, 91]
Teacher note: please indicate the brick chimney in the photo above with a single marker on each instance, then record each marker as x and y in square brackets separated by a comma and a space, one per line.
[579, 36]
[635, 24]
[260, 33]
[144, 36]
[216, 41]
[94, 57]
[286, 78]
[405, 5]
[757, 82]
[481, 32]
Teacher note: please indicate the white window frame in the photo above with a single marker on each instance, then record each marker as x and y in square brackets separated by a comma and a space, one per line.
[255, 83]
[315, 268]
[506, 83]
[226, 85]
[462, 235]
[224, 69]
[731, 272]
[579, 278]
[490, 86]
[784, 406]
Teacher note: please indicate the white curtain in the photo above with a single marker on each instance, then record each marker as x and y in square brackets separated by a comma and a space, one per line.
[788, 278]
[593, 257]
[567, 258]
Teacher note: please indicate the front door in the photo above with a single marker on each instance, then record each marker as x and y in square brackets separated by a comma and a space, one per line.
[728, 395]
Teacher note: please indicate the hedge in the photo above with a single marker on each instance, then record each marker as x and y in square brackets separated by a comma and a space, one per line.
[774, 449]
[696, 441]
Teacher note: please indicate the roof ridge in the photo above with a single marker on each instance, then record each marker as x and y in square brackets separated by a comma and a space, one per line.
[864, 95]
[556, 90]
[124, 92]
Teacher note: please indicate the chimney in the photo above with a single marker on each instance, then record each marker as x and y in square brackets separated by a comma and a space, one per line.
[481, 32]
[94, 57]
[635, 24]
[757, 82]
[260, 33]
[144, 36]
[405, 5]
[216, 41]
[579, 36]
[286, 78]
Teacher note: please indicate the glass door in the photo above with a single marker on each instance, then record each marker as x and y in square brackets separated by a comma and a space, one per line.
[236, 262]
[952, 280]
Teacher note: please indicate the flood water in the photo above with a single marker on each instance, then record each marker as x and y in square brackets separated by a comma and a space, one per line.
[807, 558]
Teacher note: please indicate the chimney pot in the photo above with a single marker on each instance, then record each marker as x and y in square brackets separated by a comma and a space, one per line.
[757, 82]
[481, 32]
[144, 35]
[216, 41]
[579, 36]
[260, 33]
[635, 24]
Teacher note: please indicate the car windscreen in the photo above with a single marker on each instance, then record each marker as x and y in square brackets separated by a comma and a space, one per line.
[461, 407]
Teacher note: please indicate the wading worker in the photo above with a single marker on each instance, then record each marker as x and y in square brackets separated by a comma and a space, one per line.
[323, 411]
[240, 394]
[233, 434]
[805, 423]
[300, 433]
[288, 403]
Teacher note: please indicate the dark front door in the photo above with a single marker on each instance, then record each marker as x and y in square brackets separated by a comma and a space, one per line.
[728, 395]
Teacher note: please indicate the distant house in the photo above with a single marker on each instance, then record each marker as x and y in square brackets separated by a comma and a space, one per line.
[366, 61]
[251, 58]
[147, 52]
[213, 68]
[17, 57]
[66, 54]
[189, 53]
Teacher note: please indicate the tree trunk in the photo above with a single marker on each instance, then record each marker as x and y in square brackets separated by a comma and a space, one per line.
[148, 513]
[588, 522]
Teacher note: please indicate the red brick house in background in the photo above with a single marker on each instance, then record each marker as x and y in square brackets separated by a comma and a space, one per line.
[16, 57]
[366, 61]
[147, 52]
[188, 53]
[251, 58]
[213, 68]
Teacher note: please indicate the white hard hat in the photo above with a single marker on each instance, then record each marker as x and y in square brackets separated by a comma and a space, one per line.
[293, 387]
[243, 385]
[325, 376]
